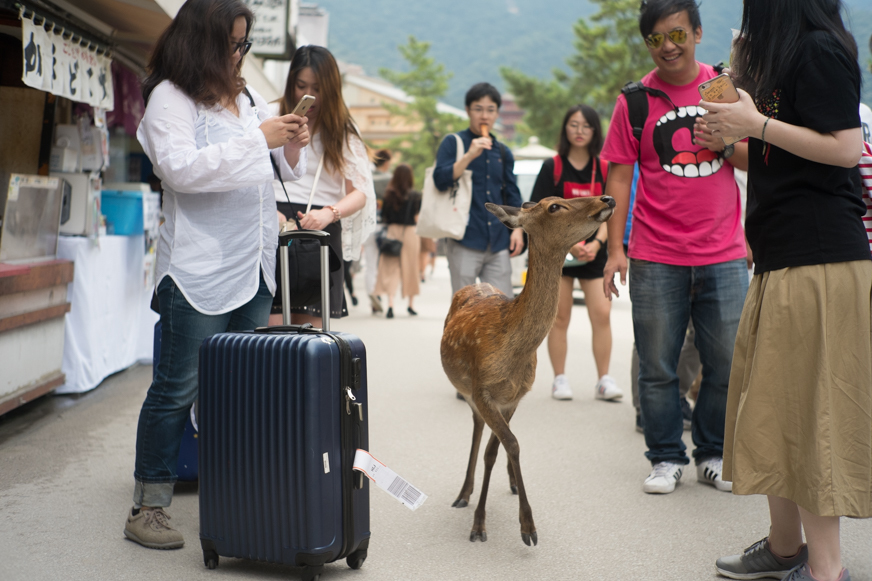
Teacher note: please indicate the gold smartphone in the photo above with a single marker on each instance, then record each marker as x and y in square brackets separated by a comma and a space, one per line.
[303, 106]
[720, 90]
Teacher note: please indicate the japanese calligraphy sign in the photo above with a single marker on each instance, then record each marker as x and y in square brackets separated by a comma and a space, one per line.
[54, 63]
[269, 34]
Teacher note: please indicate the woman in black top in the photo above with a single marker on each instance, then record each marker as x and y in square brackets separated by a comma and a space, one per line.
[400, 214]
[579, 172]
[799, 410]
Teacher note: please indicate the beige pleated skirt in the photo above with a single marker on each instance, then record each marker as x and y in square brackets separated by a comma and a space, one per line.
[799, 409]
[405, 268]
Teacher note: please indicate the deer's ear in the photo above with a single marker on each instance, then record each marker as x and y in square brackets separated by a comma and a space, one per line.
[508, 215]
[528, 205]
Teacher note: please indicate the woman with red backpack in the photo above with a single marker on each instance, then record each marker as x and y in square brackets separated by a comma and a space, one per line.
[577, 171]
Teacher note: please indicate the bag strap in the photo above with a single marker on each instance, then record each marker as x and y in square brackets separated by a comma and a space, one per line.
[558, 168]
[637, 104]
[460, 148]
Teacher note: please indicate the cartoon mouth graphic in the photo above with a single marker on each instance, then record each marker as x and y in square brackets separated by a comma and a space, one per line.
[673, 142]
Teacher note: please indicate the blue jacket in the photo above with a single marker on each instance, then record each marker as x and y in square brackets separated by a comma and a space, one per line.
[493, 180]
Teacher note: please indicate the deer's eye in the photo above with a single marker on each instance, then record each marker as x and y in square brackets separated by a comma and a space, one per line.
[554, 208]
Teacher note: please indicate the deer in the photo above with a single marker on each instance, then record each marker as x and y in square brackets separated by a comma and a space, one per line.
[489, 341]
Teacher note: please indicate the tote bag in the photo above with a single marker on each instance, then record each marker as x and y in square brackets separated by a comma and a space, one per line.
[445, 214]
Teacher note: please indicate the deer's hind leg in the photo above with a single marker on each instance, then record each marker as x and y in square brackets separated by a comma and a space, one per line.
[469, 482]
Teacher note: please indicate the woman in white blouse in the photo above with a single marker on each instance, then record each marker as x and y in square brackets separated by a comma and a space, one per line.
[343, 202]
[210, 141]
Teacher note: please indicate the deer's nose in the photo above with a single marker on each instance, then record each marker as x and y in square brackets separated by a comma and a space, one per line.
[610, 202]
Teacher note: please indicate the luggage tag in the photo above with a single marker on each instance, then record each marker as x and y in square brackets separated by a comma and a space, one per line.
[388, 480]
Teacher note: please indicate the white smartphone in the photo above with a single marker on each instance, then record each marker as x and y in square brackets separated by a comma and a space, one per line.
[303, 106]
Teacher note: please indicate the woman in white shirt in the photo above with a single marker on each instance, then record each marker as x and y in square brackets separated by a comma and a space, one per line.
[210, 141]
[343, 203]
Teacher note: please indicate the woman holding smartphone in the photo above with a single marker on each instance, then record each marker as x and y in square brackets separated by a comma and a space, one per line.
[343, 203]
[578, 171]
[210, 139]
[799, 411]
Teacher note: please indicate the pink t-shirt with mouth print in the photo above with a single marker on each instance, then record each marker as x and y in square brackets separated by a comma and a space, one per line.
[687, 211]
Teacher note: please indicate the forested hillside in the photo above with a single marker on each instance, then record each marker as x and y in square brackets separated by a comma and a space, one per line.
[473, 38]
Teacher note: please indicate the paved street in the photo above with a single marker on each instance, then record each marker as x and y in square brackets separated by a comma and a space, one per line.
[66, 481]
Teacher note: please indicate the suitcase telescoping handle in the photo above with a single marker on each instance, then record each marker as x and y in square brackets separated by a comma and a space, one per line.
[323, 238]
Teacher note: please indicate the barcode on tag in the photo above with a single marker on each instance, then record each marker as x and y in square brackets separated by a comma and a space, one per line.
[388, 480]
[404, 491]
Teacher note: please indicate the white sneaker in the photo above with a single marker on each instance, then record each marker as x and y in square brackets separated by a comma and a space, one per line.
[560, 388]
[607, 390]
[663, 478]
[709, 471]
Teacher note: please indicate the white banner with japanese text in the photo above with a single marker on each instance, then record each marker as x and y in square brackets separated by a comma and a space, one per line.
[54, 63]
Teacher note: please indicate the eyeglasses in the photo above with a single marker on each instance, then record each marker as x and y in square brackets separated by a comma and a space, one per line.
[481, 110]
[581, 128]
[243, 47]
[656, 39]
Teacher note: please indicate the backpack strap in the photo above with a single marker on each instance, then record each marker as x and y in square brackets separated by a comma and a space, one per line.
[558, 168]
[637, 104]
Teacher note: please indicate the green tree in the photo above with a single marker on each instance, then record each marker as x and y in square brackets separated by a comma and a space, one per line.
[609, 52]
[425, 82]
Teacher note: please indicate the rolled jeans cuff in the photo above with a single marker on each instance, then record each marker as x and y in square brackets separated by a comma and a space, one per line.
[152, 494]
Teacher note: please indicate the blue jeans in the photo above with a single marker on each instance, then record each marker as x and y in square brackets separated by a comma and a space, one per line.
[664, 298]
[174, 389]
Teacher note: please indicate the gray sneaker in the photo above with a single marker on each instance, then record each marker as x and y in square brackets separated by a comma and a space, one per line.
[802, 573]
[150, 528]
[759, 562]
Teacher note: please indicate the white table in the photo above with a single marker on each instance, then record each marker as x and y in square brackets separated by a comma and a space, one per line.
[110, 326]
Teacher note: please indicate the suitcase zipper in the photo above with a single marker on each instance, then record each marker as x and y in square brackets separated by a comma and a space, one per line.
[347, 381]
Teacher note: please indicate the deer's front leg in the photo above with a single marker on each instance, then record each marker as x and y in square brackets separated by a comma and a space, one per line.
[500, 428]
[469, 483]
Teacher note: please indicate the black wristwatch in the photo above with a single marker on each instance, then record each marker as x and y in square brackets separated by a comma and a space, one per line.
[729, 151]
[602, 244]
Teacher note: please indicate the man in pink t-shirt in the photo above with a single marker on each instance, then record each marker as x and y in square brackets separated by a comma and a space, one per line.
[687, 247]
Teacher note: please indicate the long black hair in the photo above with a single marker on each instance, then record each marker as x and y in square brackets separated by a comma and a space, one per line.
[194, 52]
[772, 34]
[595, 146]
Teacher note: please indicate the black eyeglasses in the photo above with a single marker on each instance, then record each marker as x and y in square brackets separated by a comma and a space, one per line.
[656, 39]
[243, 47]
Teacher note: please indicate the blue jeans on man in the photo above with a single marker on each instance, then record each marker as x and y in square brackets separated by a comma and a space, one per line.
[664, 298]
[174, 389]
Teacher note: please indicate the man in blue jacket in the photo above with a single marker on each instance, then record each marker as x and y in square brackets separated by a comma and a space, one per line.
[483, 252]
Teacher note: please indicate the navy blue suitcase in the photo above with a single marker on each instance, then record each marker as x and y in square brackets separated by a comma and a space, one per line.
[282, 411]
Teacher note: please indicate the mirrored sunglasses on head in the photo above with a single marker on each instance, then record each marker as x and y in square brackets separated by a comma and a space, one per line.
[656, 39]
[243, 47]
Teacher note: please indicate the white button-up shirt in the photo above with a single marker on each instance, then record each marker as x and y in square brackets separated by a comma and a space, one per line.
[220, 230]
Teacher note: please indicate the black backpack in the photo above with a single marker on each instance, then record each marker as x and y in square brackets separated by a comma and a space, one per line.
[636, 95]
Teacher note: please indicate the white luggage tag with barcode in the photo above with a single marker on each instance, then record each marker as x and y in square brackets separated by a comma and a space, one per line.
[388, 480]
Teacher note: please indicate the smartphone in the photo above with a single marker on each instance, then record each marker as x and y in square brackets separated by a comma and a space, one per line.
[721, 90]
[303, 106]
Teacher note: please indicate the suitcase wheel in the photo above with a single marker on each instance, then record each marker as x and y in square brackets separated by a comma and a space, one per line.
[210, 558]
[355, 560]
[311, 573]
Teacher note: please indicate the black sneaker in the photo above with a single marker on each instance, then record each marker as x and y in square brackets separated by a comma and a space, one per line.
[759, 562]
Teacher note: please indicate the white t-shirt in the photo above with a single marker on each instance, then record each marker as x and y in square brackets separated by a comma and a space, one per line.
[221, 230]
[329, 189]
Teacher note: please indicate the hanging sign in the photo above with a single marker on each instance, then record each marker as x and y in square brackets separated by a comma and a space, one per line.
[61, 64]
[269, 35]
